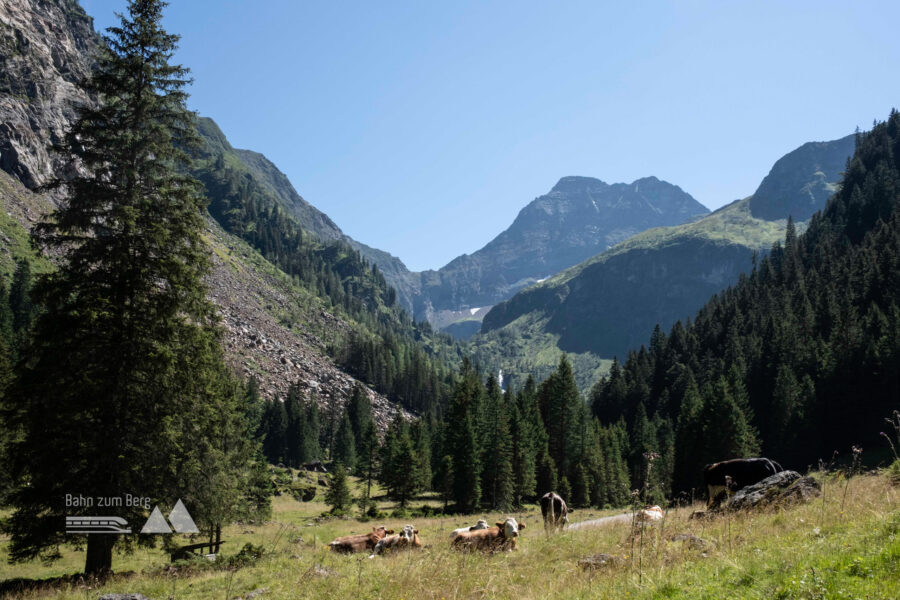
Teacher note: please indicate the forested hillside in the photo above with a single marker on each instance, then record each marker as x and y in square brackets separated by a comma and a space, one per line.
[800, 358]
[604, 306]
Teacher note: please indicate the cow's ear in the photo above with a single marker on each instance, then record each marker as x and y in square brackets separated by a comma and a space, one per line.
[389, 531]
[500, 524]
[416, 531]
[521, 525]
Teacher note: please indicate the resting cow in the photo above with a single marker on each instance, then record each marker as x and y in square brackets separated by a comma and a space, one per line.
[732, 475]
[555, 511]
[650, 513]
[361, 542]
[406, 539]
[481, 524]
[501, 537]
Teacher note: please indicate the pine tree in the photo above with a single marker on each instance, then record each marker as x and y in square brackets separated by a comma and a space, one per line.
[546, 474]
[344, 445]
[338, 496]
[126, 351]
[359, 410]
[559, 401]
[524, 467]
[21, 307]
[462, 440]
[497, 477]
[274, 427]
[367, 459]
[689, 441]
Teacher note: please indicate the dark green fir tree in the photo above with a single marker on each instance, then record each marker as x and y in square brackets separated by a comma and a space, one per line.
[122, 388]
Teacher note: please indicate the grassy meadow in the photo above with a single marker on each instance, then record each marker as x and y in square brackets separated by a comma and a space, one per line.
[847, 546]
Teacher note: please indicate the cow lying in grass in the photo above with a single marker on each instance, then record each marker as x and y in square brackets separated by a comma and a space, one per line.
[481, 524]
[361, 542]
[650, 513]
[405, 540]
[501, 537]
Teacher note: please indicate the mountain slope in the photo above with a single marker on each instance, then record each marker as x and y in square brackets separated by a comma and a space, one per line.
[281, 328]
[606, 305]
[806, 347]
[578, 218]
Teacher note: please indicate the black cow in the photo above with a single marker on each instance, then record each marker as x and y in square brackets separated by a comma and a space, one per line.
[554, 510]
[734, 474]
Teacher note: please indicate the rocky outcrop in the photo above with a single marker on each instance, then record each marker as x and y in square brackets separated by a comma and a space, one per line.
[780, 489]
[801, 181]
[45, 50]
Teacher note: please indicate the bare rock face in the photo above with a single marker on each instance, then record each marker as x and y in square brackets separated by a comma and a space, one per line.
[45, 51]
[782, 488]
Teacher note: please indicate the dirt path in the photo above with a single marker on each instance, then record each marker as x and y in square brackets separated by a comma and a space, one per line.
[623, 518]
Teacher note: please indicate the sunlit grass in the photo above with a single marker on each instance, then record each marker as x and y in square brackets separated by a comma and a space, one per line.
[809, 551]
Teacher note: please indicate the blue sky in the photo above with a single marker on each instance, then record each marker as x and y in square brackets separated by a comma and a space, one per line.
[422, 128]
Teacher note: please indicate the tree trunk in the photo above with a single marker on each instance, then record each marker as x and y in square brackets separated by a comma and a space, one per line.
[99, 554]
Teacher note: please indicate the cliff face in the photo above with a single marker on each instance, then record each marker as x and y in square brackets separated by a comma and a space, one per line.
[271, 328]
[45, 51]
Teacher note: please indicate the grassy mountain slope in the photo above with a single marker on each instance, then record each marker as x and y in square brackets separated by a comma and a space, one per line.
[606, 305]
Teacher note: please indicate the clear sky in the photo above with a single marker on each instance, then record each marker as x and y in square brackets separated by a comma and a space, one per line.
[422, 128]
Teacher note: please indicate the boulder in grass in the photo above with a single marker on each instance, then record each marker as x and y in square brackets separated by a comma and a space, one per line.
[782, 488]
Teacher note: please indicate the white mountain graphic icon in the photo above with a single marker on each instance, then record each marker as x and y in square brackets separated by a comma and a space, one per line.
[179, 517]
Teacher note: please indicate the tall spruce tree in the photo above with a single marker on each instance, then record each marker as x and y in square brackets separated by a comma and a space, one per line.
[122, 384]
[497, 476]
[462, 440]
[344, 445]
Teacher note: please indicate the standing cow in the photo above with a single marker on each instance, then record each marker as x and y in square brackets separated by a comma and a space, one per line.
[732, 475]
[555, 511]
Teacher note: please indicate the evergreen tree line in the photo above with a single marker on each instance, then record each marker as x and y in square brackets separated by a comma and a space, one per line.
[801, 358]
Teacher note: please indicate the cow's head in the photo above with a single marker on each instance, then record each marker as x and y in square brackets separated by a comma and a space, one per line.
[510, 528]
[380, 531]
[408, 532]
[481, 524]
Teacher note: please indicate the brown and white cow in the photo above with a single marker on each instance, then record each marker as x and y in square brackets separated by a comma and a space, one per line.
[501, 537]
[555, 511]
[407, 539]
[732, 475]
[360, 542]
[481, 524]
